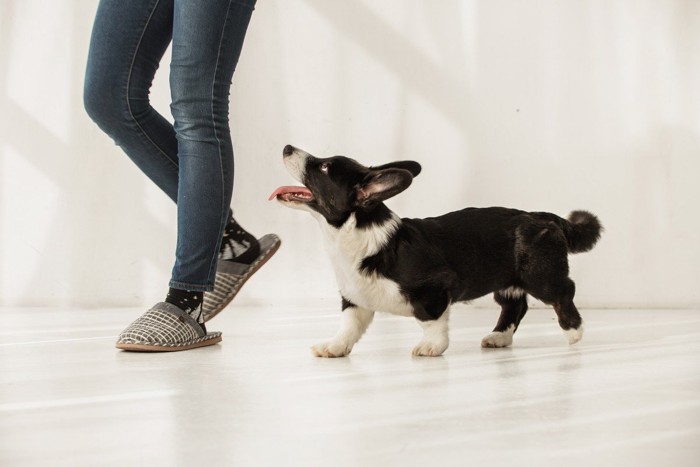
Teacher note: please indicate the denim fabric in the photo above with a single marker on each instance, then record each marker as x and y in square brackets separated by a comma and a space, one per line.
[191, 160]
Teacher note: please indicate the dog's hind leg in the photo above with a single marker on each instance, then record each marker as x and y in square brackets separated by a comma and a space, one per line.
[544, 270]
[513, 303]
[354, 323]
[567, 313]
[561, 297]
[435, 337]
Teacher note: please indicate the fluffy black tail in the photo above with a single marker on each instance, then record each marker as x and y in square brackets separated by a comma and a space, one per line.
[582, 232]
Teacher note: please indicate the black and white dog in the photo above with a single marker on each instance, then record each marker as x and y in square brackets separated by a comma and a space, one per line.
[419, 267]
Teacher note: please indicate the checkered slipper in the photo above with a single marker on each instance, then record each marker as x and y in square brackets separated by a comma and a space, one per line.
[165, 328]
[230, 277]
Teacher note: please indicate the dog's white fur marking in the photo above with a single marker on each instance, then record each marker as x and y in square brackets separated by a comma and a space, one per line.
[499, 339]
[512, 292]
[358, 244]
[355, 322]
[435, 337]
[574, 335]
[347, 247]
[296, 164]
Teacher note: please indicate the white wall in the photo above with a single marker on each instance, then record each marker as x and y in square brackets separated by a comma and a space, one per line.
[542, 105]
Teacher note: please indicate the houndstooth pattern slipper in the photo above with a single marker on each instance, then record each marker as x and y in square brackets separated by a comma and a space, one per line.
[230, 277]
[165, 328]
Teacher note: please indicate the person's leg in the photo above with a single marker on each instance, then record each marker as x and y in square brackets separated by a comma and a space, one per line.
[129, 39]
[128, 42]
[206, 45]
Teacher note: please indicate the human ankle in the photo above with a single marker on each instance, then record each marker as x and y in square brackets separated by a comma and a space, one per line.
[238, 245]
[188, 301]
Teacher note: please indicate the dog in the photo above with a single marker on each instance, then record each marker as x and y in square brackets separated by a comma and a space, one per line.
[420, 267]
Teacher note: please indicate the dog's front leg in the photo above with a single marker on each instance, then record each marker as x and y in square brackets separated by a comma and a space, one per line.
[353, 325]
[435, 337]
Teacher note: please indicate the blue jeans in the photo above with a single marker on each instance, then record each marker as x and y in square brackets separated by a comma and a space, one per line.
[192, 159]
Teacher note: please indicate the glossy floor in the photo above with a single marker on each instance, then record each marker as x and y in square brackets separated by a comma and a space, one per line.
[628, 394]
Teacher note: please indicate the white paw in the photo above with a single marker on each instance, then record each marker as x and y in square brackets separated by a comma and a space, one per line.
[574, 335]
[331, 349]
[499, 339]
[430, 348]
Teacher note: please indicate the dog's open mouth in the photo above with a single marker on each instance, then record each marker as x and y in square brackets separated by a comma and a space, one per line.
[300, 194]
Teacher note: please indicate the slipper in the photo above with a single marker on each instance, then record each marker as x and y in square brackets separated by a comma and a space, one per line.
[165, 328]
[230, 277]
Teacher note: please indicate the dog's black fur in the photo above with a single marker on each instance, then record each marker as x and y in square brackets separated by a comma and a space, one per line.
[455, 257]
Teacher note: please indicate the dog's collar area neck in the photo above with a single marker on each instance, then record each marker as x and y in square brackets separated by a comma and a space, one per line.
[366, 240]
[378, 216]
[339, 223]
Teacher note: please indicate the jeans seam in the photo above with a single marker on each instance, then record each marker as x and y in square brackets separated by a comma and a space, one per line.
[215, 257]
[128, 88]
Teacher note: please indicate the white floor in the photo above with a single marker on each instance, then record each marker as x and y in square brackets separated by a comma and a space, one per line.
[627, 395]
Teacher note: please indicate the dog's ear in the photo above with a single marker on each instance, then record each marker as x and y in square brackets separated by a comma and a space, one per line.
[382, 184]
[411, 166]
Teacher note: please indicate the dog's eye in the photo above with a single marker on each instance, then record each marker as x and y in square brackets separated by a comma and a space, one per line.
[324, 167]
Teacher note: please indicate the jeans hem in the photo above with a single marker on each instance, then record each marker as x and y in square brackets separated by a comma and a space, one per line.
[191, 287]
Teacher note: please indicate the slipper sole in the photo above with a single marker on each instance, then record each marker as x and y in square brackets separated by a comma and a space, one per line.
[146, 347]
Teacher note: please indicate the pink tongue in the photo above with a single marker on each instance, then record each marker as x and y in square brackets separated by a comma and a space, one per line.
[289, 189]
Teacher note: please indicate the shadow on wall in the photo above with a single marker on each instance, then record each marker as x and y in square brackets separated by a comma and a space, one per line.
[430, 50]
[437, 82]
[67, 225]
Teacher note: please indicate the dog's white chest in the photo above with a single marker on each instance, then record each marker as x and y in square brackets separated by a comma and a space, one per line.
[371, 291]
[347, 247]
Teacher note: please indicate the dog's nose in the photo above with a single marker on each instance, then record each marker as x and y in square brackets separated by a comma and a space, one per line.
[288, 150]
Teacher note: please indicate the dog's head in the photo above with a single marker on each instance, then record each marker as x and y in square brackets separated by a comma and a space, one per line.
[336, 187]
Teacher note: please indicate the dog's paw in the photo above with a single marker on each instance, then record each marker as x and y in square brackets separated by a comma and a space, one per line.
[574, 335]
[499, 339]
[331, 349]
[430, 348]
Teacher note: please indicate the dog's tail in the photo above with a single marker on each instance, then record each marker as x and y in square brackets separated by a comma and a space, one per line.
[582, 231]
